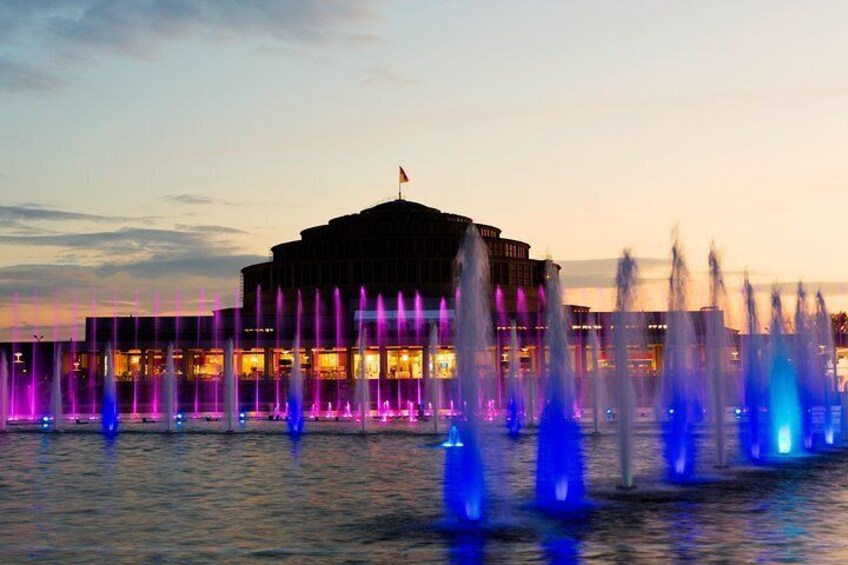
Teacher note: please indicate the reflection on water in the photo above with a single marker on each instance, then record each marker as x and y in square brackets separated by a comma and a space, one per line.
[341, 497]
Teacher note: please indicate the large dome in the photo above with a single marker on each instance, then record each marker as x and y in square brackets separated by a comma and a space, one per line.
[396, 246]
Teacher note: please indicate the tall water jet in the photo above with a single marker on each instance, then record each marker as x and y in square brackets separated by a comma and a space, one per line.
[169, 390]
[381, 341]
[464, 486]
[401, 328]
[680, 393]
[754, 435]
[515, 399]
[826, 364]
[559, 465]
[295, 411]
[154, 366]
[278, 332]
[597, 379]
[316, 372]
[362, 392]
[109, 405]
[784, 405]
[16, 307]
[716, 343]
[230, 399]
[338, 310]
[434, 386]
[804, 353]
[4, 391]
[624, 335]
[201, 304]
[258, 346]
[137, 313]
[34, 365]
[56, 396]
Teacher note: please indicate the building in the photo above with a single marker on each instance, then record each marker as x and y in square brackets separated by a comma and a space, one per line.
[386, 273]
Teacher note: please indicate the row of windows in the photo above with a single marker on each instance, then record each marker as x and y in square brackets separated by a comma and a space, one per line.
[443, 226]
[508, 250]
[374, 247]
[391, 248]
[400, 271]
[512, 274]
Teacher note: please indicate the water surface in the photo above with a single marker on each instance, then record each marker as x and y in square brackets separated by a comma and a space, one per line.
[337, 497]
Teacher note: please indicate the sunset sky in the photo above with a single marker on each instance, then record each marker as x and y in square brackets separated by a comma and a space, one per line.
[158, 147]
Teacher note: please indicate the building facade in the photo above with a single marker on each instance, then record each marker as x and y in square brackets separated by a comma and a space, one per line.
[385, 275]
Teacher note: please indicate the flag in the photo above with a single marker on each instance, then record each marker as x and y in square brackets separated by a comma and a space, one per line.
[402, 178]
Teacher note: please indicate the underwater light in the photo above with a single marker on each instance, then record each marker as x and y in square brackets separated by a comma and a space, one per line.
[784, 440]
[45, 419]
[453, 438]
[671, 410]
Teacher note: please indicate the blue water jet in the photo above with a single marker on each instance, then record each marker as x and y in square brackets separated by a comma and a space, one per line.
[514, 403]
[464, 487]
[754, 428]
[559, 464]
[681, 393]
[109, 405]
[464, 478]
[784, 402]
[295, 418]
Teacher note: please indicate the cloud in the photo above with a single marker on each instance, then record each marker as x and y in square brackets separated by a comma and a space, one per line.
[32, 212]
[110, 266]
[131, 243]
[19, 78]
[600, 273]
[379, 76]
[84, 30]
[790, 288]
[186, 199]
[212, 230]
[190, 199]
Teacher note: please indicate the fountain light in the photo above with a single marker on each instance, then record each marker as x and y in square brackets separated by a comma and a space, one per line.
[784, 440]
[453, 438]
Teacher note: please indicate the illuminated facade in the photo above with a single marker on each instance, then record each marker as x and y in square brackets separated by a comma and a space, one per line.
[386, 273]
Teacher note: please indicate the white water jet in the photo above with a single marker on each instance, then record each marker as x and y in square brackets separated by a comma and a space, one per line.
[56, 397]
[754, 378]
[623, 336]
[169, 389]
[826, 364]
[4, 391]
[362, 382]
[515, 404]
[597, 378]
[804, 354]
[716, 343]
[230, 400]
[434, 384]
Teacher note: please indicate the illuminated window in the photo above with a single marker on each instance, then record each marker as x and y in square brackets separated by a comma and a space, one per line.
[444, 364]
[372, 364]
[404, 363]
[330, 364]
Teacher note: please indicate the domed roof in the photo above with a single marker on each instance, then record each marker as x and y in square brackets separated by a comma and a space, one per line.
[400, 206]
[377, 218]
